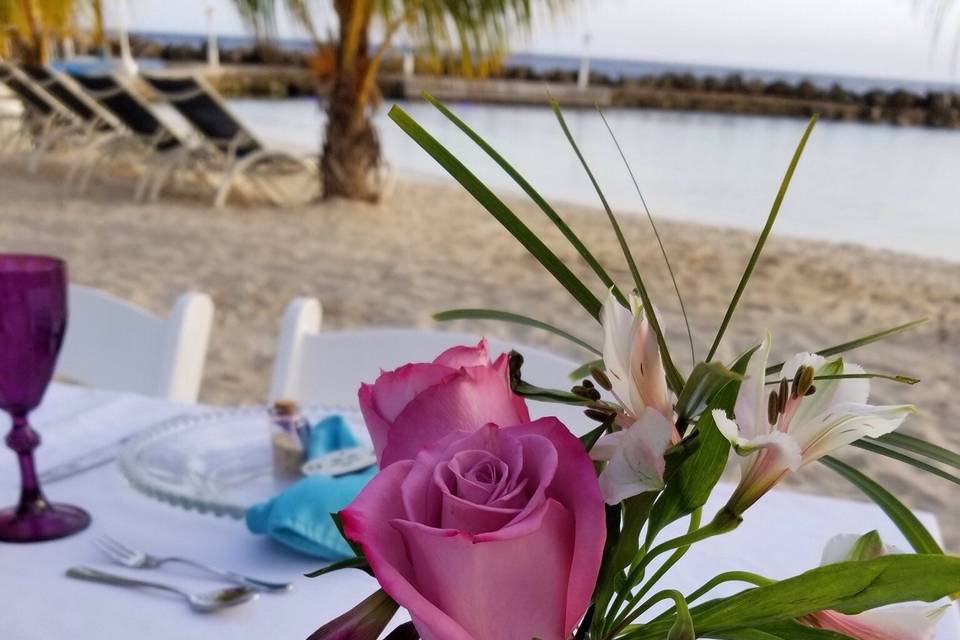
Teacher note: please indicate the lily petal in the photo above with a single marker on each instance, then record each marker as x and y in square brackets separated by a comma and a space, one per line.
[847, 423]
[889, 623]
[617, 322]
[637, 464]
[751, 405]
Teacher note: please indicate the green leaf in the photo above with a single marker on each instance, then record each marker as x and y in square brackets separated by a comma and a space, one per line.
[848, 587]
[762, 240]
[499, 210]
[922, 447]
[874, 446]
[856, 344]
[635, 513]
[704, 381]
[346, 563]
[583, 370]
[516, 318]
[674, 379]
[656, 233]
[697, 476]
[590, 439]
[911, 528]
[554, 217]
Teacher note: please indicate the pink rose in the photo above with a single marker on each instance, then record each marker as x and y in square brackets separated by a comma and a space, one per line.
[418, 404]
[493, 534]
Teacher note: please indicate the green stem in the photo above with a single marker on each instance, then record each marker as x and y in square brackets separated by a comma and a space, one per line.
[724, 522]
[730, 576]
[666, 594]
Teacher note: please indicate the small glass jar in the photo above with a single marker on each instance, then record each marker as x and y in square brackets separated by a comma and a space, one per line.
[288, 437]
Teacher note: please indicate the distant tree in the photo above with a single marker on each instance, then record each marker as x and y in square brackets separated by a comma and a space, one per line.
[477, 29]
[32, 25]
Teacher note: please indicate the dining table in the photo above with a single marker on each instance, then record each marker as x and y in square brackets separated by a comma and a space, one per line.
[782, 535]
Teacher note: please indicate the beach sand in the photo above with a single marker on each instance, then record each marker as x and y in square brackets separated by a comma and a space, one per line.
[430, 247]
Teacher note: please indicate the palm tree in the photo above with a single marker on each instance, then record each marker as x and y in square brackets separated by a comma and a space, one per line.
[31, 24]
[351, 158]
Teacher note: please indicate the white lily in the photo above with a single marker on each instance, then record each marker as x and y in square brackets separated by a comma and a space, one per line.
[903, 622]
[632, 360]
[631, 356]
[780, 429]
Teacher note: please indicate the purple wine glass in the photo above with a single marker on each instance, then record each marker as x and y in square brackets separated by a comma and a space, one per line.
[33, 318]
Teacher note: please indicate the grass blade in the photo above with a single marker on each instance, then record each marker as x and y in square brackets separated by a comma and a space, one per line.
[924, 448]
[856, 344]
[874, 447]
[554, 217]
[674, 379]
[762, 240]
[516, 318]
[498, 210]
[656, 232]
[911, 528]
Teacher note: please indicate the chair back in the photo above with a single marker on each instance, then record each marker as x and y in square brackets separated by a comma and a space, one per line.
[113, 344]
[129, 108]
[34, 98]
[314, 367]
[206, 110]
[61, 87]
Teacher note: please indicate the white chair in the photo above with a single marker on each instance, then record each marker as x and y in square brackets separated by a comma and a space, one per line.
[113, 344]
[313, 367]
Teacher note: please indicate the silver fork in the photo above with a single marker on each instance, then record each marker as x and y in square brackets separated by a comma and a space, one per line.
[128, 557]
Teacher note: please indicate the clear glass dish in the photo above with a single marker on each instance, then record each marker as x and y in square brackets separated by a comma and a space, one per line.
[218, 462]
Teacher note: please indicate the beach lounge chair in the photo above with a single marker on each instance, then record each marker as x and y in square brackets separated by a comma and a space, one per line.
[45, 121]
[164, 149]
[244, 156]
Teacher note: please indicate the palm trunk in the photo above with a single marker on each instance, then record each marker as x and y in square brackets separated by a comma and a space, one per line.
[36, 52]
[351, 150]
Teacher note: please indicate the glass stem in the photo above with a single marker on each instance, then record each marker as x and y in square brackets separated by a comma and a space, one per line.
[23, 440]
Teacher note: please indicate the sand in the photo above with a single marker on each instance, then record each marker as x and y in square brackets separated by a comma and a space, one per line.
[430, 247]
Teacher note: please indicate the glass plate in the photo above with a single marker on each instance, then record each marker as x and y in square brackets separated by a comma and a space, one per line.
[217, 462]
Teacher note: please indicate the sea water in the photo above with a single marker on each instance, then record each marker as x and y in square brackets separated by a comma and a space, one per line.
[878, 185]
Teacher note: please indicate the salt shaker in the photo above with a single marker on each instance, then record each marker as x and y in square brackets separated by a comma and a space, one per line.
[288, 435]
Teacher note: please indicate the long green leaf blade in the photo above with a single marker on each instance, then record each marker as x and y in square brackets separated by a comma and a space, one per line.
[656, 233]
[856, 344]
[674, 379]
[527, 188]
[762, 240]
[874, 447]
[848, 587]
[911, 528]
[922, 447]
[498, 210]
[516, 318]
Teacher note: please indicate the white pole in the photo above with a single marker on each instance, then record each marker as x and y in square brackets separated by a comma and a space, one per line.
[583, 77]
[127, 62]
[213, 49]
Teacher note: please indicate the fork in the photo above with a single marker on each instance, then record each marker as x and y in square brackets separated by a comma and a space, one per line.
[134, 559]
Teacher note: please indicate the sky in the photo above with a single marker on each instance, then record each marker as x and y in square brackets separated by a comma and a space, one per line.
[879, 38]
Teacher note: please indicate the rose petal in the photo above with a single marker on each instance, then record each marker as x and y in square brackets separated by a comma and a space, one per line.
[464, 401]
[495, 580]
[368, 521]
[575, 486]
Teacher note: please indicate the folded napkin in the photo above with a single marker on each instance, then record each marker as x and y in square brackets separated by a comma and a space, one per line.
[299, 517]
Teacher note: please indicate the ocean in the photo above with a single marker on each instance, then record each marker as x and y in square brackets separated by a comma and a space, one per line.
[878, 185]
[617, 68]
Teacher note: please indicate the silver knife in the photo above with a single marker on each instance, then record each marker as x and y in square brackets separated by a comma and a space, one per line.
[92, 459]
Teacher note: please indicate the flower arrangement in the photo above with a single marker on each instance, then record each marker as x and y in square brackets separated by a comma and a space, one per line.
[487, 525]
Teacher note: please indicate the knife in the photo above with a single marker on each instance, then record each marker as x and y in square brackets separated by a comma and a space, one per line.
[91, 459]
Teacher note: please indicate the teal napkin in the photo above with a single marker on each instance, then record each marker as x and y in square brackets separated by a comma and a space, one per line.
[299, 517]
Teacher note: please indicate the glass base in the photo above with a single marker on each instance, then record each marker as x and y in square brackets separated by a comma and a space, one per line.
[52, 522]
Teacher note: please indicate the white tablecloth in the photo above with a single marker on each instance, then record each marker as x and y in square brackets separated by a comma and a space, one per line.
[783, 535]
